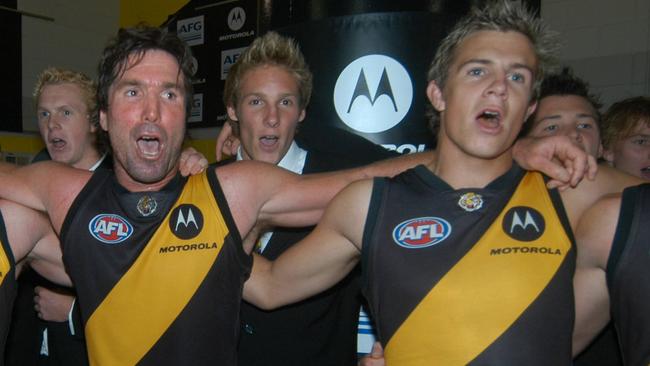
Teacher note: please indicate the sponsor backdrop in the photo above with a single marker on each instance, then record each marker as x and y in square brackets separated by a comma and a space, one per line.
[217, 32]
[370, 73]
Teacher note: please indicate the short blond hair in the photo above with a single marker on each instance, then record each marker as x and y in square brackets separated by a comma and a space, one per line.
[55, 75]
[270, 49]
[502, 16]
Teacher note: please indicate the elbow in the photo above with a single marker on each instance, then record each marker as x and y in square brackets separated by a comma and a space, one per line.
[260, 298]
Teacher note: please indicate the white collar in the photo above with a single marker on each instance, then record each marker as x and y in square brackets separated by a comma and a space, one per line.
[293, 160]
[98, 163]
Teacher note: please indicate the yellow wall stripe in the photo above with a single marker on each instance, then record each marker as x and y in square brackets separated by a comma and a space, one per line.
[153, 12]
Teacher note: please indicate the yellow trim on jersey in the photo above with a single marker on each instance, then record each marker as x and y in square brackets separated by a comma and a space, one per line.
[483, 294]
[154, 291]
[5, 264]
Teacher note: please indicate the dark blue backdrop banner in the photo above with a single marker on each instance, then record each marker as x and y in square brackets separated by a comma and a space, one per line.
[370, 74]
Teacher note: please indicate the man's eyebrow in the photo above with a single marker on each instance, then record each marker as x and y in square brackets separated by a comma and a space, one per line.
[549, 117]
[480, 61]
[518, 65]
[134, 82]
[171, 85]
[127, 82]
[589, 115]
[642, 135]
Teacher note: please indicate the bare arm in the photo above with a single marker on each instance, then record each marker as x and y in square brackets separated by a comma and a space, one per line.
[32, 240]
[556, 156]
[47, 259]
[594, 237]
[318, 261]
[44, 186]
[260, 191]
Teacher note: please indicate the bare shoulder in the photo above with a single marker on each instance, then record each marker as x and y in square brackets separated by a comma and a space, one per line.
[359, 190]
[250, 178]
[53, 176]
[613, 180]
[596, 228]
[58, 184]
[604, 211]
[249, 173]
[247, 185]
[587, 193]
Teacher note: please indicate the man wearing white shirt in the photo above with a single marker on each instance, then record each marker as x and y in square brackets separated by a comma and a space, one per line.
[266, 94]
[66, 111]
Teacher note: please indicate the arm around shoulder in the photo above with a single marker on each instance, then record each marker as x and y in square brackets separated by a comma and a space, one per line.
[43, 186]
[318, 261]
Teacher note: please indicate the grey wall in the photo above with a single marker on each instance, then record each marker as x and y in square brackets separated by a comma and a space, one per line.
[606, 42]
[73, 40]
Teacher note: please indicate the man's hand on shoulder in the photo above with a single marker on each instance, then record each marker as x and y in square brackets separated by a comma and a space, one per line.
[227, 142]
[192, 162]
[566, 162]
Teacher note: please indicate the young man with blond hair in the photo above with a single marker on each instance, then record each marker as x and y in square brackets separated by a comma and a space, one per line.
[467, 259]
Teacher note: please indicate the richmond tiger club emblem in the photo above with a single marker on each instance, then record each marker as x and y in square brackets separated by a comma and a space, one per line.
[470, 201]
[147, 206]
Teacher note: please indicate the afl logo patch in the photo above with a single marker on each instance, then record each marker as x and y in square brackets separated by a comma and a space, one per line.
[421, 232]
[523, 223]
[186, 221]
[110, 229]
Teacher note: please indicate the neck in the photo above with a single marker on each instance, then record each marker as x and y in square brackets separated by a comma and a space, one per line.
[90, 158]
[461, 170]
[131, 183]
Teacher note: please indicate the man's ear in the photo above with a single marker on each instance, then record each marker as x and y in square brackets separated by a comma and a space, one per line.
[102, 120]
[530, 110]
[303, 113]
[232, 113]
[434, 94]
[608, 155]
[600, 151]
[93, 126]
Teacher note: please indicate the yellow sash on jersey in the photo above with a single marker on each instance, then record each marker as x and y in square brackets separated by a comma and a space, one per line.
[5, 264]
[154, 291]
[483, 294]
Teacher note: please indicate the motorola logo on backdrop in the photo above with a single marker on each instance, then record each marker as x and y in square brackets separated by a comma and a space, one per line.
[195, 66]
[236, 18]
[373, 94]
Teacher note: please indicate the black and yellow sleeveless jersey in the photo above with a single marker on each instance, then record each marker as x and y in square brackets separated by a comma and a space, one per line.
[628, 276]
[159, 275]
[7, 286]
[471, 276]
